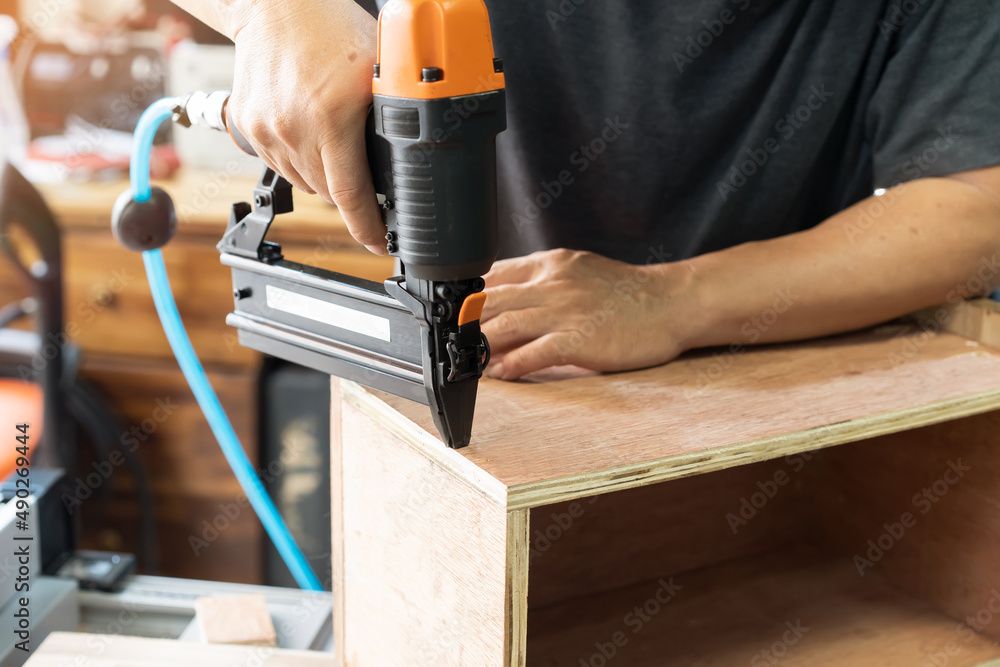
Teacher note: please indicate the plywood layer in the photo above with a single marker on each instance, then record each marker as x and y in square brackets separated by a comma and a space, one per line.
[793, 608]
[558, 437]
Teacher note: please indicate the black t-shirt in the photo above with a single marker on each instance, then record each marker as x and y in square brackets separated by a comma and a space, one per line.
[648, 130]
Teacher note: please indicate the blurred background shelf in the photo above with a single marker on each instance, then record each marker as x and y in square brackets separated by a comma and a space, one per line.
[110, 316]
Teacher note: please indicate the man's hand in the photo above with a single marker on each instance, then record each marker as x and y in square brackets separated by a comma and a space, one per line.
[564, 307]
[301, 92]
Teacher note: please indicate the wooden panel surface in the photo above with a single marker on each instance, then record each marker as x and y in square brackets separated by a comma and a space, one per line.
[202, 199]
[556, 439]
[425, 558]
[795, 608]
[978, 319]
[586, 546]
[65, 648]
[109, 309]
[314, 233]
[922, 509]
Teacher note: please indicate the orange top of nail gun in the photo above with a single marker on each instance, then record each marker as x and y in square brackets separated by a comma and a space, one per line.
[430, 49]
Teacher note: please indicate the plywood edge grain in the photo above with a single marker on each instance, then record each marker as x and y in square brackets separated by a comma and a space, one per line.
[978, 320]
[516, 622]
[425, 443]
[536, 494]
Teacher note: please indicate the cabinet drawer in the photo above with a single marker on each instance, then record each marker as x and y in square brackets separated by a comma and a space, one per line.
[109, 309]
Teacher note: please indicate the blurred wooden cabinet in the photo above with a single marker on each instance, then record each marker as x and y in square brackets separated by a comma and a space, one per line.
[110, 315]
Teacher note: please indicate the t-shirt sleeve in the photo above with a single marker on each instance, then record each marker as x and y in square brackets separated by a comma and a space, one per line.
[936, 108]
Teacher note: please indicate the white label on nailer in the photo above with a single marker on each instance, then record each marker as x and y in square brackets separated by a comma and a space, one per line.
[365, 324]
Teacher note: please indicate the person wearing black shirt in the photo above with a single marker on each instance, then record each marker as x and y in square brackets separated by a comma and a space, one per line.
[679, 173]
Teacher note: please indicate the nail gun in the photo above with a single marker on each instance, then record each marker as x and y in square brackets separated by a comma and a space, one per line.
[438, 105]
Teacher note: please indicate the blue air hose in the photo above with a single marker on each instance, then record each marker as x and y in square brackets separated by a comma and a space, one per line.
[166, 308]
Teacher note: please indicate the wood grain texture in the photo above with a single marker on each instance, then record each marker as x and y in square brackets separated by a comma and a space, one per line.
[235, 619]
[314, 233]
[587, 546]
[65, 648]
[553, 440]
[202, 199]
[945, 478]
[110, 310]
[425, 561]
[516, 594]
[978, 319]
[732, 614]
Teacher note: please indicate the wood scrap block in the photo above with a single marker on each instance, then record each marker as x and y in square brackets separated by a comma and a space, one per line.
[235, 619]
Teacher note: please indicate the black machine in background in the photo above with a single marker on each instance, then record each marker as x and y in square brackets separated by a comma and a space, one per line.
[295, 462]
[74, 411]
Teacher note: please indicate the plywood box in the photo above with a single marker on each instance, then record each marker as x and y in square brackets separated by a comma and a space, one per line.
[835, 502]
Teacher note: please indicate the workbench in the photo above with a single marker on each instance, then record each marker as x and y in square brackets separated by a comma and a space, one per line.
[110, 315]
[94, 650]
[831, 502]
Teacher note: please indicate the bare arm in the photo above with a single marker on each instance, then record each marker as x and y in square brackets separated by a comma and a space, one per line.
[918, 245]
[922, 243]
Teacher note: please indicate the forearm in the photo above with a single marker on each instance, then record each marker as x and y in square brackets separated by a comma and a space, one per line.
[920, 244]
